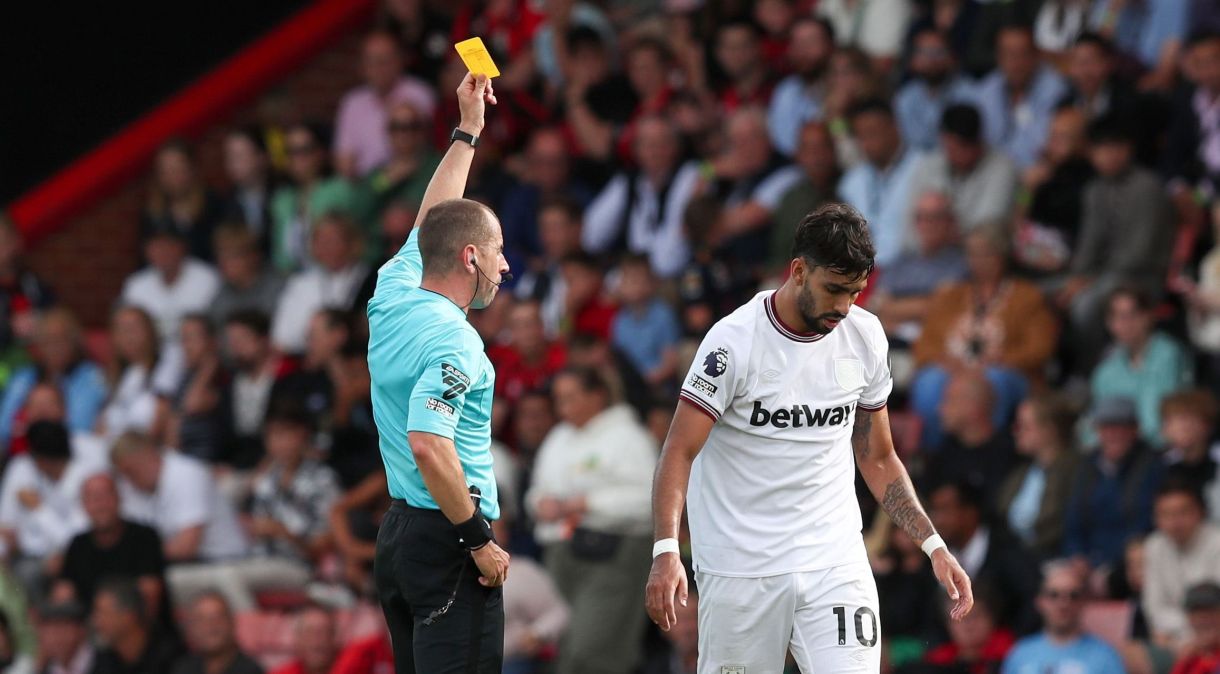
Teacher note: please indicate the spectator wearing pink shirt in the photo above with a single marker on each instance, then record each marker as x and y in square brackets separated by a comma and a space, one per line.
[362, 142]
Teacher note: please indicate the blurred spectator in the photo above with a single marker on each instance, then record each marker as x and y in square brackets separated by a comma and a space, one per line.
[1151, 33]
[624, 380]
[46, 403]
[1179, 554]
[362, 141]
[115, 547]
[59, 360]
[354, 521]
[534, 617]
[850, 81]
[1191, 158]
[880, 185]
[11, 660]
[641, 210]
[1063, 645]
[911, 610]
[587, 310]
[189, 416]
[878, 27]
[751, 178]
[1057, 26]
[422, 31]
[798, 98]
[141, 368]
[597, 100]
[991, 556]
[176, 495]
[990, 321]
[977, 643]
[255, 370]
[315, 642]
[747, 80]
[310, 194]
[683, 639]
[645, 328]
[1188, 425]
[213, 640]
[590, 499]
[545, 177]
[245, 281]
[974, 449]
[981, 180]
[1126, 234]
[369, 655]
[1202, 605]
[128, 643]
[550, 40]
[1111, 500]
[289, 513]
[410, 163]
[1053, 189]
[1203, 304]
[40, 508]
[1144, 364]
[532, 421]
[63, 639]
[707, 288]
[180, 202]
[1017, 99]
[331, 284]
[527, 360]
[1034, 496]
[934, 85]
[819, 183]
[22, 295]
[173, 284]
[248, 170]
[905, 288]
[559, 225]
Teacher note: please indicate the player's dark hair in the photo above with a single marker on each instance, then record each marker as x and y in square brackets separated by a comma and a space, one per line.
[1097, 41]
[836, 237]
[589, 379]
[1179, 486]
[963, 121]
[127, 595]
[449, 227]
[49, 440]
[252, 319]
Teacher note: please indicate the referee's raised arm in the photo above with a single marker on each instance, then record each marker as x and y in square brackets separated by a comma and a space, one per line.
[449, 181]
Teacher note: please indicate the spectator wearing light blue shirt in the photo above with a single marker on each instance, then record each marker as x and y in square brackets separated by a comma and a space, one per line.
[645, 328]
[880, 186]
[798, 97]
[934, 85]
[1151, 31]
[1062, 647]
[1019, 97]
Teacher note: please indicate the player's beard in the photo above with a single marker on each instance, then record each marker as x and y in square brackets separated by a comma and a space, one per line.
[815, 320]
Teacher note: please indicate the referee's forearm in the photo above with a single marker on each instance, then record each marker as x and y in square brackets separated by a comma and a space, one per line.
[449, 180]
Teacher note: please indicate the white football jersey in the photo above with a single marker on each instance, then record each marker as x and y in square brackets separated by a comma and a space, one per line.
[773, 490]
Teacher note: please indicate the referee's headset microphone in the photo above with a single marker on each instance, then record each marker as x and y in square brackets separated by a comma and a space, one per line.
[504, 278]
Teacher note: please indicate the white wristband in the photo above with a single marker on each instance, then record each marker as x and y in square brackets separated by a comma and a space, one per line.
[932, 544]
[663, 546]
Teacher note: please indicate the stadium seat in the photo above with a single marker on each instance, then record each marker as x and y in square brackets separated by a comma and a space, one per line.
[1109, 621]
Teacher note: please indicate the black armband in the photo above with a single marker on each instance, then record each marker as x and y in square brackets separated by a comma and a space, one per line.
[474, 532]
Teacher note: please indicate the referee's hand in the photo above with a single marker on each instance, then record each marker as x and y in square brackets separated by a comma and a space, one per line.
[666, 582]
[492, 561]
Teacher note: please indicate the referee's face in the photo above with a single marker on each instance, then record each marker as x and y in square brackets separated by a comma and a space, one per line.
[492, 250]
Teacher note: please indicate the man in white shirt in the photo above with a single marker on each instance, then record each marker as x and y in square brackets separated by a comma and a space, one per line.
[1182, 552]
[332, 284]
[782, 393]
[176, 495]
[172, 285]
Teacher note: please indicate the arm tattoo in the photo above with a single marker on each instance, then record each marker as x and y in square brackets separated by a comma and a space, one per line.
[860, 433]
[901, 504]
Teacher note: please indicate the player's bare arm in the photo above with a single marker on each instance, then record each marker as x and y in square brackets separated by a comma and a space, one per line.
[667, 580]
[449, 181]
[889, 482]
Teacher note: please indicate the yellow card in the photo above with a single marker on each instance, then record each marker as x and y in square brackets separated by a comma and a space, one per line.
[476, 57]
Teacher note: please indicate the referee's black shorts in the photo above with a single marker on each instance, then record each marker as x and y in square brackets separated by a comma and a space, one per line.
[420, 567]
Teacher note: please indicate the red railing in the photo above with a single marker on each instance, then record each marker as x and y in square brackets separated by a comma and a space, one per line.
[49, 205]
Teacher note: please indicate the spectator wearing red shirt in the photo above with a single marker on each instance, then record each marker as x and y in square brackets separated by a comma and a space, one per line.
[977, 645]
[372, 655]
[588, 311]
[315, 646]
[528, 359]
[739, 56]
[1202, 654]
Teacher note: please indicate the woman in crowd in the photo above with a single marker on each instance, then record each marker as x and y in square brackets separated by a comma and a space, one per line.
[138, 371]
[178, 197]
[188, 416]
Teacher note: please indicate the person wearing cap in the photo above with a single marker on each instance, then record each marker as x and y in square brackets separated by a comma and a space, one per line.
[40, 508]
[1182, 552]
[1112, 498]
[173, 284]
[63, 638]
[1202, 654]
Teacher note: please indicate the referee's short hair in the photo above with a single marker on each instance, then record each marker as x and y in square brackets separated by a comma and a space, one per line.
[450, 226]
[836, 237]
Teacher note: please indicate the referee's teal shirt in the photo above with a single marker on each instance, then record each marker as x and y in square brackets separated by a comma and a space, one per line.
[429, 373]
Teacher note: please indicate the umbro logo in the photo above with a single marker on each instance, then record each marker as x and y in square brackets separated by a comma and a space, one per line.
[800, 416]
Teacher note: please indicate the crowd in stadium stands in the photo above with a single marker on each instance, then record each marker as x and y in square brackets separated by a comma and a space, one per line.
[202, 492]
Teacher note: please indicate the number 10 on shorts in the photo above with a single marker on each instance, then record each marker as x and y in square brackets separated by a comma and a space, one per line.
[862, 612]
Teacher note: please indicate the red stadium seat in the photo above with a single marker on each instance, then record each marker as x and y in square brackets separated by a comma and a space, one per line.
[1109, 621]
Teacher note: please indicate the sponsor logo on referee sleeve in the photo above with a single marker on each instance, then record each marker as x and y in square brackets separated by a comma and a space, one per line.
[455, 379]
[702, 385]
[439, 406]
[716, 362]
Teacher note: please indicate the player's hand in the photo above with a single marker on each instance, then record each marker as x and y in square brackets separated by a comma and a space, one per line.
[955, 581]
[492, 561]
[474, 94]
[666, 582]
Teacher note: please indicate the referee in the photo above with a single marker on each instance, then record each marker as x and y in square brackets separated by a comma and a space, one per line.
[437, 568]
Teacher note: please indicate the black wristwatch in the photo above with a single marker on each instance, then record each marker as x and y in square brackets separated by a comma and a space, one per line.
[458, 134]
